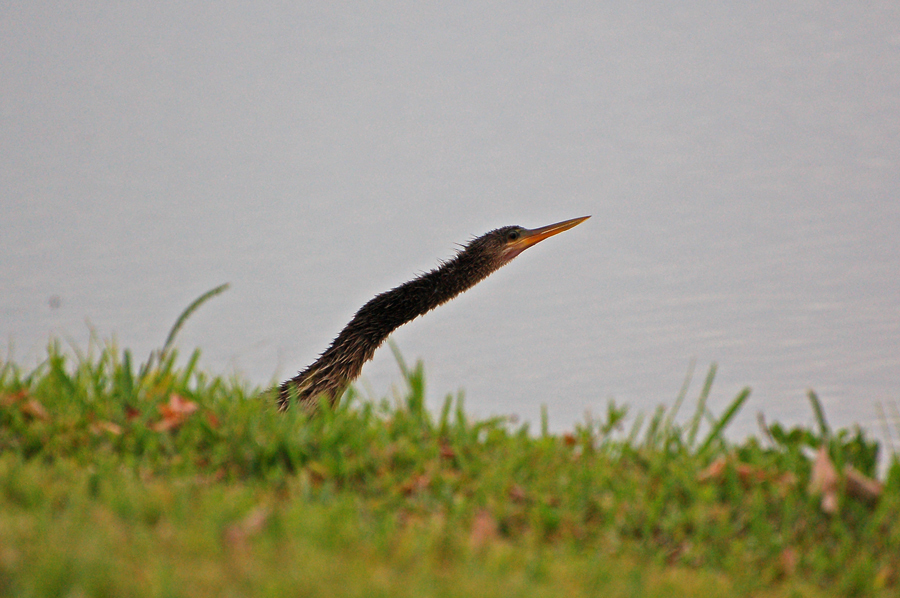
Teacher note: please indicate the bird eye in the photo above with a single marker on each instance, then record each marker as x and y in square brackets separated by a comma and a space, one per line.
[512, 235]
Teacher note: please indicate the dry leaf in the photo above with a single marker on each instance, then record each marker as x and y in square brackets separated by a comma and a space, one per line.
[415, 484]
[237, 534]
[33, 408]
[749, 473]
[713, 471]
[788, 561]
[13, 398]
[517, 493]
[861, 486]
[824, 481]
[885, 577]
[786, 483]
[174, 413]
[100, 427]
[317, 472]
[256, 520]
[484, 529]
[212, 420]
[447, 451]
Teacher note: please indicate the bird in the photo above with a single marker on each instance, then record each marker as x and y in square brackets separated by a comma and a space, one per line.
[343, 360]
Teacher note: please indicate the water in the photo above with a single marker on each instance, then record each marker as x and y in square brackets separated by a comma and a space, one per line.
[741, 163]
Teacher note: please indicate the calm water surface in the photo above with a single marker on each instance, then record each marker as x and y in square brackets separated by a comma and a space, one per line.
[742, 166]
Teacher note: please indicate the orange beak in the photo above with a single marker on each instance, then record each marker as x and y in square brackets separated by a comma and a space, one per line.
[536, 235]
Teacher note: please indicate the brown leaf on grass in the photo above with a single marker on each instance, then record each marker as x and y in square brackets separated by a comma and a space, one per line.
[174, 413]
[714, 471]
[750, 473]
[862, 486]
[316, 473]
[11, 399]
[569, 439]
[415, 484]
[786, 483]
[237, 534]
[131, 413]
[885, 577]
[824, 481]
[34, 409]
[447, 451]
[678, 552]
[788, 560]
[213, 420]
[517, 494]
[484, 529]
[98, 428]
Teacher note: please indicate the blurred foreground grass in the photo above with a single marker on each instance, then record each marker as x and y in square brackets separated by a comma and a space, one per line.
[167, 481]
[163, 480]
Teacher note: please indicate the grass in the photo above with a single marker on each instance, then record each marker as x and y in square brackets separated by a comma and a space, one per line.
[158, 479]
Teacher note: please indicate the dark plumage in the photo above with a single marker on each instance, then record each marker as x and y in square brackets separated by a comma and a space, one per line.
[342, 362]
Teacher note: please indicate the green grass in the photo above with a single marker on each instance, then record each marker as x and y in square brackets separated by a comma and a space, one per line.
[104, 491]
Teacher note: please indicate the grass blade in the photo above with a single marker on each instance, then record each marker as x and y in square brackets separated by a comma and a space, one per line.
[190, 310]
[681, 394]
[398, 357]
[701, 404]
[820, 414]
[722, 423]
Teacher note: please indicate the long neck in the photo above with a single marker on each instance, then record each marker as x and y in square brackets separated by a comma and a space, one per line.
[374, 322]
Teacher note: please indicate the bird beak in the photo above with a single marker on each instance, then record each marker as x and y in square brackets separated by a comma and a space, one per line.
[536, 235]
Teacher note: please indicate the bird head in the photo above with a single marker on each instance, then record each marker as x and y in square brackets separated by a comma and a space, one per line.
[513, 240]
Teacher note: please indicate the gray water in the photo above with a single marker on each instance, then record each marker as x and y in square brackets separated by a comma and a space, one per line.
[741, 163]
